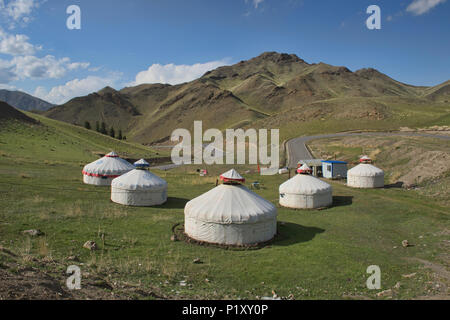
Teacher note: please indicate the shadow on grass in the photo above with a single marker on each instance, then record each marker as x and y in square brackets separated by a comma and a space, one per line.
[339, 201]
[292, 233]
[173, 203]
[398, 184]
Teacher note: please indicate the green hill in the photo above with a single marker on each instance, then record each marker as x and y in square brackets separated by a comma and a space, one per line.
[29, 138]
[272, 90]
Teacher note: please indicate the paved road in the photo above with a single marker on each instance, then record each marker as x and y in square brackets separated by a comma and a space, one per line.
[166, 166]
[297, 150]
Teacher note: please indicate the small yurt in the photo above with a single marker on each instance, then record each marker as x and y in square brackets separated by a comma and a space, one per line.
[365, 175]
[102, 171]
[305, 191]
[139, 187]
[230, 214]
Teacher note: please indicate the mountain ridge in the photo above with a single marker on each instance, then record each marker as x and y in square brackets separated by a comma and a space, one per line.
[263, 89]
[24, 101]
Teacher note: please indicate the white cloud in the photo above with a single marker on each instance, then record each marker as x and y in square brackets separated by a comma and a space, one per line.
[42, 68]
[78, 65]
[175, 74]
[16, 44]
[20, 9]
[255, 2]
[7, 86]
[74, 88]
[418, 7]
[6, 75]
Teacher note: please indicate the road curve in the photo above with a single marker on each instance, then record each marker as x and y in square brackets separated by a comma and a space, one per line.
[297, 149]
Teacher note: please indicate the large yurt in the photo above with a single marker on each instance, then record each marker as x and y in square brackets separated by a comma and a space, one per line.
[139, 187]
[365, 175]
[102, 171]
[304, 191]
[230, 214]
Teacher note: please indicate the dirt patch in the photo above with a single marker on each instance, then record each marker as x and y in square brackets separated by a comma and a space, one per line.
[45, 279]
[438, 287]
[440, 270]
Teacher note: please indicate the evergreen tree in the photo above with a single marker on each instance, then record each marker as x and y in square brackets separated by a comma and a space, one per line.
[97, 126]
[87, 125]
[112, 133]
[119, 135]
[103, 128]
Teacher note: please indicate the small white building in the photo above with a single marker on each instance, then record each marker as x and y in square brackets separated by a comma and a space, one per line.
[305, 191]
[102, 171]
[365, 175]
[139, 187]
[230, 214]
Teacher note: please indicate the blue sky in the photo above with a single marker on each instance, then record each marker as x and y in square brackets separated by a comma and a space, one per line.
[124, 43]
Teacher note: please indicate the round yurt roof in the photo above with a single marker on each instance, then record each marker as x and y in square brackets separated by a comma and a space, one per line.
[109, 165]
[226, 204]
[139, 180]
[365, 159]
[304, 184]
[231, 176]
[365, 170]
[112, 154]
[304, 169]
[141, 164]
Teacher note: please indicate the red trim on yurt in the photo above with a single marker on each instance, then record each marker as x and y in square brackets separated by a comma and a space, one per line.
[99, 175]
[304, 171]
[111, 156]
[230, 179]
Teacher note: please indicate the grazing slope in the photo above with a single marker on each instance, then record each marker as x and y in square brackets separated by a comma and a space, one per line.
[24, 101]
[32, 137]
[272, 90]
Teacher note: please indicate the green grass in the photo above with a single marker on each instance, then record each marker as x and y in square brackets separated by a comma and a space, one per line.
[317, 255]
[58, 142]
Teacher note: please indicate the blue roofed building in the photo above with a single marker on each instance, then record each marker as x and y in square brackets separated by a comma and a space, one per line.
[334, 169]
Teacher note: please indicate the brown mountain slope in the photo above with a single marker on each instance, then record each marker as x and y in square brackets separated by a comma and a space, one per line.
[440, 92]
[271, 89]
[106, 105]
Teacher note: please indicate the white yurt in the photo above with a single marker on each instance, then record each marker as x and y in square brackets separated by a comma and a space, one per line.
[365, 175]
[230, 214]
[305, 191]
[102, 171]
[139, 187]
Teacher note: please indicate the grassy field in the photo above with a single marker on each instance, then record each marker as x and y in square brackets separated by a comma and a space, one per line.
[318, 254]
